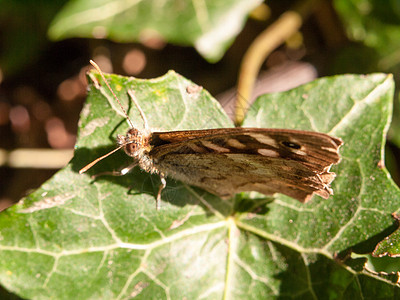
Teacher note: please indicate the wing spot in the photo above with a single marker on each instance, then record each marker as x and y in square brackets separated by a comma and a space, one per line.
[291, 145]
[294, 147]
[196, 148]
[264, 139]
[235, 144]
[330, 149]
[268, 152]
[214, 147]
[298, 152]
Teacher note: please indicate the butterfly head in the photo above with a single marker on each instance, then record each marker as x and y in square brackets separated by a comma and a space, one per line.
[134, 142]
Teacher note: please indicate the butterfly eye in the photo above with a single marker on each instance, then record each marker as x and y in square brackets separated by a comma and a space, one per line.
[291, 145]
[130, 149]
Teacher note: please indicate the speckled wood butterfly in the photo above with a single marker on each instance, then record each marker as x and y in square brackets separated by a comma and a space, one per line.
[227, 161]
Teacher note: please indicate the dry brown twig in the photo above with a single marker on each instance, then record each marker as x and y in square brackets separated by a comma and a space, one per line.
[272, 37]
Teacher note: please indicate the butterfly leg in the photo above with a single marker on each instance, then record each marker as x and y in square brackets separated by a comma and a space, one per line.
[162, 186]
[121, 172]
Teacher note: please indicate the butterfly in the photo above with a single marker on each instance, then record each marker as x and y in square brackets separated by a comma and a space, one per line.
[227, 161]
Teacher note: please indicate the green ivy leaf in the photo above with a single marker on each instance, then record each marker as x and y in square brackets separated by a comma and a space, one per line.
[76, 237]
[389, 246]
[210, 26]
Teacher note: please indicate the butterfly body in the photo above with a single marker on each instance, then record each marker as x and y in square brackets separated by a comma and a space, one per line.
[226, 161]
[230, 160]
[136, 144]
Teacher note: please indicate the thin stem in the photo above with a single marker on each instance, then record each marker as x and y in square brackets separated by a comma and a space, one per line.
[36, 158]
[277, 33]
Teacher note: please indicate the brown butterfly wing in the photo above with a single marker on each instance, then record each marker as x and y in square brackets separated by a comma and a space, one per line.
[227, 161]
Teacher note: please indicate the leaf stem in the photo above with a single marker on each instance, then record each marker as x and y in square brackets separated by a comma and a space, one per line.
[278, 32]
[35, 158]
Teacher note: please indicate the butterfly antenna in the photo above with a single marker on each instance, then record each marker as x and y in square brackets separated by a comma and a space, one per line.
[87, 167]
[146, 125]
[112, 92]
